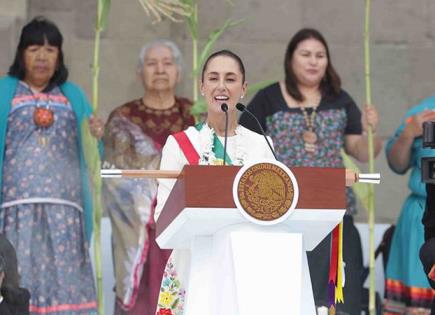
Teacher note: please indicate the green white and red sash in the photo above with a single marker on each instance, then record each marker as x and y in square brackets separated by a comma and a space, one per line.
[192, 155]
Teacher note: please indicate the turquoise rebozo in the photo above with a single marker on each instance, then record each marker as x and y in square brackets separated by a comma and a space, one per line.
[218, 148]
[82, 110]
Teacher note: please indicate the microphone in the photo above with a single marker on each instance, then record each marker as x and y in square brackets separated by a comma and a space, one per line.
[224, 108]
[243, 109]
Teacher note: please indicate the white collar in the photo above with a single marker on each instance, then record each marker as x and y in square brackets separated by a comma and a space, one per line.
[206, 137]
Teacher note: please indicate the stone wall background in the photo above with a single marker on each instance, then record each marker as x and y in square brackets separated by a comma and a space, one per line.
[403, 51]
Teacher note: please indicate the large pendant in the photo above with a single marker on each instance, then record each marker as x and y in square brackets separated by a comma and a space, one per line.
[310, 139]
[43, 117]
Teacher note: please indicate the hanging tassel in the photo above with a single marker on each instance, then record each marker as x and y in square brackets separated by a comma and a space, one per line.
[335, 286]
[339, 284]
[331, 288]
[333, 265]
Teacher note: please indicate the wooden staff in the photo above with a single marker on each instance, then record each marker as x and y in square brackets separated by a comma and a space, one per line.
[351, 176]
[117, 173]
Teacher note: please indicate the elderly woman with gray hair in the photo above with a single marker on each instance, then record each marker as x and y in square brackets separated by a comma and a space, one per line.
[134, 136]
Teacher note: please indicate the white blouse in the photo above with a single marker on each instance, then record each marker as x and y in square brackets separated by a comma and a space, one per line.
[244, 147]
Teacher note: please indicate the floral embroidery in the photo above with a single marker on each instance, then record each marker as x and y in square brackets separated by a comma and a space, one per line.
[166, 298]
[171, 298]
[164, 311]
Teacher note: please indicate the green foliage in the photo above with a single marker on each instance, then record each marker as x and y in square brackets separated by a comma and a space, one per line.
[191, 19]
[171, 9]
[92, 155]
[211, 40]
[103, 13]
[200, 106]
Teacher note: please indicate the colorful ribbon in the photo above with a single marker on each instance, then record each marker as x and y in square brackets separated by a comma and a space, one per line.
[335, 287]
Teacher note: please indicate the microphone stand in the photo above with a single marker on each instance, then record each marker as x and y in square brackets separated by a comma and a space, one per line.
[224, 108]
[243, 109]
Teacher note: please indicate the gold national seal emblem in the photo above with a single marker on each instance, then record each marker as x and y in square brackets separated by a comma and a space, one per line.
[266, 191]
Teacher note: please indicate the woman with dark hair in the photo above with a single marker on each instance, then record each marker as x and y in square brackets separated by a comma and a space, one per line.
[45, 200]
[222, 82]
[311, 119]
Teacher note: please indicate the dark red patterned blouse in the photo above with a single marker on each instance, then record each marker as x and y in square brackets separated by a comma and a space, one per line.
[136, 129]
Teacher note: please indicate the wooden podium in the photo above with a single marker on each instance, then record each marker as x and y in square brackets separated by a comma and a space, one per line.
[238, 267]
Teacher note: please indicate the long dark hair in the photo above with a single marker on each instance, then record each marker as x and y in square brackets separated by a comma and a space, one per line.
[330, 84]
[37, 32]
[227, 53]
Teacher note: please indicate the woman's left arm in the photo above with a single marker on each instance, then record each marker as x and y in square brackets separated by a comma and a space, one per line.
[357, 145]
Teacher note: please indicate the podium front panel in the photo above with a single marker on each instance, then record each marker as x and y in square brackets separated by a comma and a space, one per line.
[210, 187]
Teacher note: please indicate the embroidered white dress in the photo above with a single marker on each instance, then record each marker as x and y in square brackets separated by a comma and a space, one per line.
[244, 147]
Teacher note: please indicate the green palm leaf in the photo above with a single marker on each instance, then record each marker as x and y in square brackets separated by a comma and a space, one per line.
[103, 13]
[211, 40]
[171, 9]
[192, 19]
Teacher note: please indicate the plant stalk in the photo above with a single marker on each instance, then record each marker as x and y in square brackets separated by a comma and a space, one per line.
[371, 194]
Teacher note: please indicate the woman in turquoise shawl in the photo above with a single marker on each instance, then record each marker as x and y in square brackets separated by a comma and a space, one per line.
[45, 197]
[407, 287]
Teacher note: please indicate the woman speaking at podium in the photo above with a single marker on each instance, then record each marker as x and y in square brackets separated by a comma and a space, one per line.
[222, 85]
